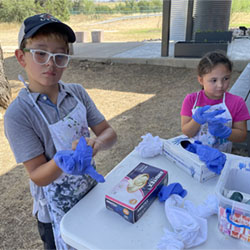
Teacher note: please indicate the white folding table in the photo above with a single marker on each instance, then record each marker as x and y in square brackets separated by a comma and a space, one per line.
[90, 225]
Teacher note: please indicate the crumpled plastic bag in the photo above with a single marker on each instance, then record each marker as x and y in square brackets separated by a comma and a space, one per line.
[78, 161]
[150, 146]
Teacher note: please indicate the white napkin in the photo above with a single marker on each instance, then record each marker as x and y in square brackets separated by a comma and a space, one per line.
[209, 207]
[188, 222]
[150, 146]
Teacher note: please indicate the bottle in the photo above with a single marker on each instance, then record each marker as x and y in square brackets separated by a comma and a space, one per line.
[236, 196]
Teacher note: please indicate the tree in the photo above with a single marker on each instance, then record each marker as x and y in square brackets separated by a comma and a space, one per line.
[5, 90]
[58, 8]
[16, 10]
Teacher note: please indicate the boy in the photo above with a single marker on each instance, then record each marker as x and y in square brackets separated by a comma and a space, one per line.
[49, 116]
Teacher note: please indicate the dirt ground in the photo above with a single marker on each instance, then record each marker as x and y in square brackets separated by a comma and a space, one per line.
[135, 99]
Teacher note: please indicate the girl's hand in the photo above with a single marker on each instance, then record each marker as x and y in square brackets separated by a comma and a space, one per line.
[201, 116]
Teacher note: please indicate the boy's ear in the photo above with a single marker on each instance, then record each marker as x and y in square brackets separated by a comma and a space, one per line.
[20, 57]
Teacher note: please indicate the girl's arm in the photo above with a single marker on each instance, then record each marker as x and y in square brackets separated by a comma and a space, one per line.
[41, 171]
[239, 132]
[189, 126]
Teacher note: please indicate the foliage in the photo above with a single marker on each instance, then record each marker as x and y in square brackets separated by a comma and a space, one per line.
[104, 9]
[150, 6]
[127, 7]
[83, 6]
[57, 8]
[143, 6]
[240, 6]
[18, 10]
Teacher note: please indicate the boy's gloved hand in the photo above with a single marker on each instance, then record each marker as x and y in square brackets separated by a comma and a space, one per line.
[217, 128]
[201, 116]
[78, 162]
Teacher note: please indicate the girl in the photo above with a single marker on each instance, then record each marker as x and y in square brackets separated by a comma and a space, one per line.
[214, 116]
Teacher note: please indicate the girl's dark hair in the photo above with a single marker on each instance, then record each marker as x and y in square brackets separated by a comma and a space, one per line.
[212, 59]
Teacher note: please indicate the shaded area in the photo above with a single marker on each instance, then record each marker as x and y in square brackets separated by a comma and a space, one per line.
[159, 115]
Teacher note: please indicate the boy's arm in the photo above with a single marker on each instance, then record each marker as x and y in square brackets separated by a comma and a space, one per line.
[41, 171]
[239, 132]
[105, 137]
[189, 126]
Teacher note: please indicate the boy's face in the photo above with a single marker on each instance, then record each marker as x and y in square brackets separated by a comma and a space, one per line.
[42, 77]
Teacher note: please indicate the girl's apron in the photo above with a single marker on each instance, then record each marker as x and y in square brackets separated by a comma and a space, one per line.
[204, 135]
[63, 193]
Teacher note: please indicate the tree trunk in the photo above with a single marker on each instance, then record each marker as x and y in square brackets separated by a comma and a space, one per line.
[5, 90]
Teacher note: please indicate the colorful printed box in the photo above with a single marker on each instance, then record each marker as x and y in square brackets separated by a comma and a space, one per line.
[133, 195]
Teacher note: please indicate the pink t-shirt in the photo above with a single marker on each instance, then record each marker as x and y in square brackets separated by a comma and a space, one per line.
[235, 104]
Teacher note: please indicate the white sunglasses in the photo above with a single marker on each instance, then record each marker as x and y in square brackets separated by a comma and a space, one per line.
[42, 57]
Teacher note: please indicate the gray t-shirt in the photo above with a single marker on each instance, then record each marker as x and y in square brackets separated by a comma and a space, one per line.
[27, 132]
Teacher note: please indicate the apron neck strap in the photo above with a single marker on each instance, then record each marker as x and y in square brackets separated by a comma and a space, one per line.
[30, 96]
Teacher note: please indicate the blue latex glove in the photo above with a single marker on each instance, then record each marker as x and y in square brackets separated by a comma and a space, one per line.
[214, 159]
[218, 129]
[173, 188]
[78, 161]
[201, 116]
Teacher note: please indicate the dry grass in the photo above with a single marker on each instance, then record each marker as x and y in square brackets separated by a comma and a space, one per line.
[129, 30]
[125, 30]
[240, 19]
[138, 29]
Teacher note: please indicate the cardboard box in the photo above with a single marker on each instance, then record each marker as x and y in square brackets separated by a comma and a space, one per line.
[234, 216]
[186, 160]
[133, 195]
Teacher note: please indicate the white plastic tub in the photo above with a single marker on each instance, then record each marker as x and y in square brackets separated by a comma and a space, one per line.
[234, 216]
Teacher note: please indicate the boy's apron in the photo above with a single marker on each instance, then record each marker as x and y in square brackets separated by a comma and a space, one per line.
[206, 137]
[63, 193]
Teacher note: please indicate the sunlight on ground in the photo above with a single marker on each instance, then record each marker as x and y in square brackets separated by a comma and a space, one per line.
[7, 160]
[117, 101]
[8, 55]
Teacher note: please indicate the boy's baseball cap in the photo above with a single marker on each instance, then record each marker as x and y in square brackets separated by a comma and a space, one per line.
[32, 24]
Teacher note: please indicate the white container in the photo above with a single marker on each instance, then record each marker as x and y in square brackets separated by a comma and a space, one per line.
[186, 160]
[234, 216]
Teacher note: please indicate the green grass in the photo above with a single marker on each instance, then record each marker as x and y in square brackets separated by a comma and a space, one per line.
[240, 6]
